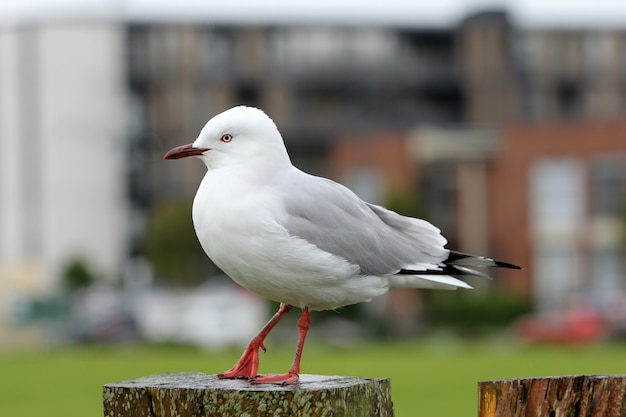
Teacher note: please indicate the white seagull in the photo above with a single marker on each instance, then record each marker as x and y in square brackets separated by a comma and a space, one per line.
[301, 240]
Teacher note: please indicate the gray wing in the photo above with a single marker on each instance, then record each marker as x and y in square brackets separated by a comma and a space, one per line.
[379, 241]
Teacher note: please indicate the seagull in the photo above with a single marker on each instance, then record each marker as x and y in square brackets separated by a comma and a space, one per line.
[301, 240]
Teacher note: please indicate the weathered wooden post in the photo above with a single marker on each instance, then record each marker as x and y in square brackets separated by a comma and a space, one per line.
[199, 395]
[568, 396]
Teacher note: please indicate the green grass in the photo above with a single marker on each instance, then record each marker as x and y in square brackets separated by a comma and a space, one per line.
[429, 378]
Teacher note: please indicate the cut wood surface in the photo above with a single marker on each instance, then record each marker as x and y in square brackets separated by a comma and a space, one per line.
[197, 394]
[567, 396]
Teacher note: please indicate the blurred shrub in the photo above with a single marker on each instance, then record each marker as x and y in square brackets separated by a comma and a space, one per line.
[404, 202]
[77, 275]
[172, 247]
[472, 314]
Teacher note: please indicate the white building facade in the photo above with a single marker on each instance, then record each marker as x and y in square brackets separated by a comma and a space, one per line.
[62, 150]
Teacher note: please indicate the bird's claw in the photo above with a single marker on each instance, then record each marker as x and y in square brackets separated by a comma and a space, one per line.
[223, 375]
[248, 364]
[239, 371]
[280, 379]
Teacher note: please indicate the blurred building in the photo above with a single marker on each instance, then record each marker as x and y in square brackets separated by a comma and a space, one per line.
[88, 108]
[549, 196]
[315, 81]
[545, 184]
[513, 74]
[558, 198]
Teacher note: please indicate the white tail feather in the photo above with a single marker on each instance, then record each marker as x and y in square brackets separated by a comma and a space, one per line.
[435, 282]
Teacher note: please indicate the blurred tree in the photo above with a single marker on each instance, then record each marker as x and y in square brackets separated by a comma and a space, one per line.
[172, 247]
[77, 275]
[404, 202]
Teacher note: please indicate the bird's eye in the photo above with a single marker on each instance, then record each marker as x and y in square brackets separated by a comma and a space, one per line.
[226, 137]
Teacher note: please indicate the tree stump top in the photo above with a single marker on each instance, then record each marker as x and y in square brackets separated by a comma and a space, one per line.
[564, 396]
[198, 380]
[197, 394]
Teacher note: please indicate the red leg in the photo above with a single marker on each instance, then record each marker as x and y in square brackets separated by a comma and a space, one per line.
[248, 365]
[293, 375]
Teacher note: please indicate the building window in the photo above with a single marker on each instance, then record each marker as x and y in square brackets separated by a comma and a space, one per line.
[608, 186]
[569, 99]
[247, 93]
[607, 271]
[440, 192]
[600, 49]
[557, 274]
[556, 218]
[557, 197]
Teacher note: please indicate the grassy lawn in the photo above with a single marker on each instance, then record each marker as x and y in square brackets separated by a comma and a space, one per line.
[429, 378]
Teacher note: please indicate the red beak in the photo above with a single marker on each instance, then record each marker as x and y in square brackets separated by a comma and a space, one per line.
[184, 151]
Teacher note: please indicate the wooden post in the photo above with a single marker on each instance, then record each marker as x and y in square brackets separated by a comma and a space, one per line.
[568, 396]
[199, 395]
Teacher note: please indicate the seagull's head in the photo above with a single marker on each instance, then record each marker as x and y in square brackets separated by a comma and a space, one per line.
[241, 135]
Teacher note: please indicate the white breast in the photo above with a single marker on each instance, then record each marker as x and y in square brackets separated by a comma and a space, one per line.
[239, 227]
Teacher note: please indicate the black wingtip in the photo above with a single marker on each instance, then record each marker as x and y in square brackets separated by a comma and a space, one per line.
[507, 265]
[460, 257]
